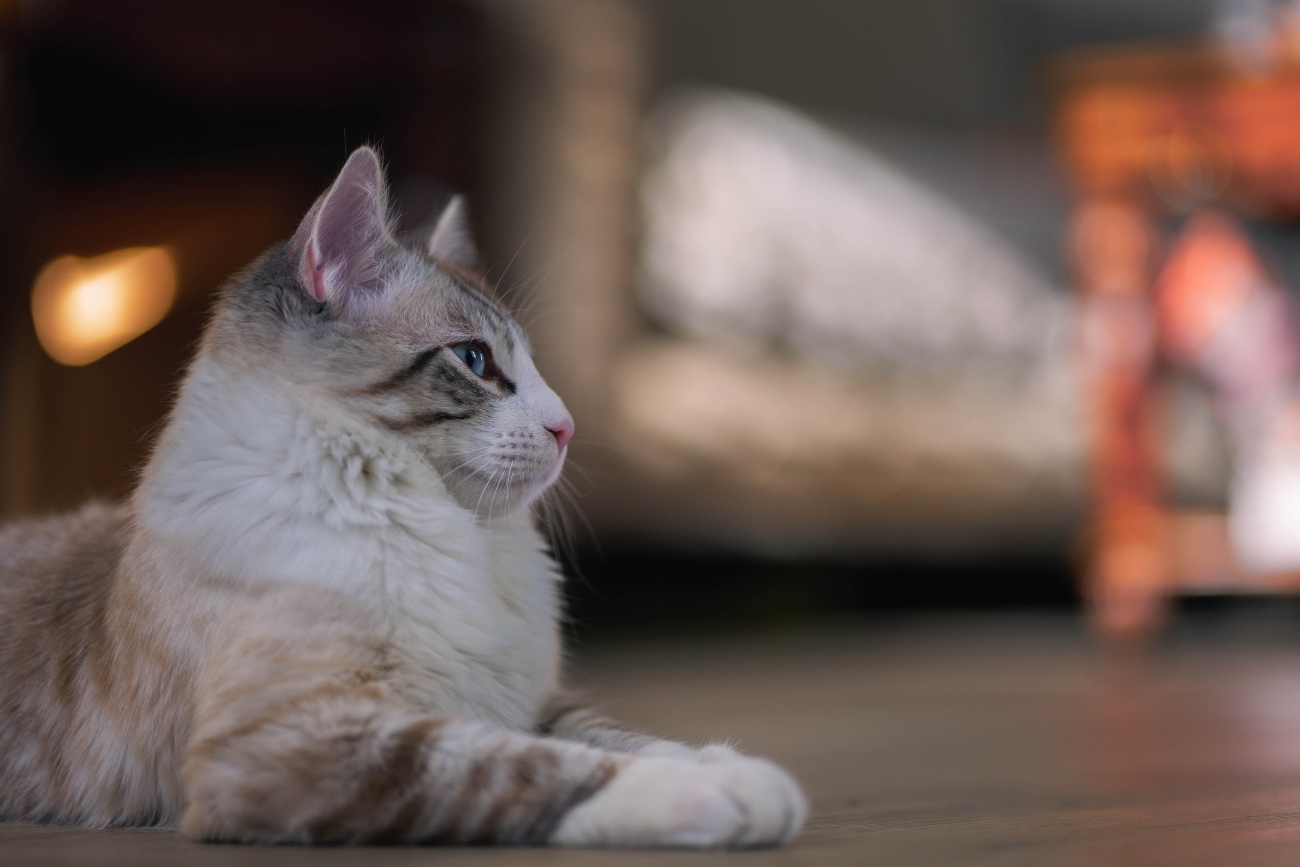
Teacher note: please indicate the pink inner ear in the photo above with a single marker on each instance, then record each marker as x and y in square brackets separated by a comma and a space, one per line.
[342, 234]
[316, 272]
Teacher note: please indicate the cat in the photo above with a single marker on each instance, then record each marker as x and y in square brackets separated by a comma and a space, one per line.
[325, 614]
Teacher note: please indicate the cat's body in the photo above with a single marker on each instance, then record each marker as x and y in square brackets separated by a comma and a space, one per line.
[325, 614]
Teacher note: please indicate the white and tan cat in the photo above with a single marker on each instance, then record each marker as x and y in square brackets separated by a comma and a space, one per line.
[325, 615]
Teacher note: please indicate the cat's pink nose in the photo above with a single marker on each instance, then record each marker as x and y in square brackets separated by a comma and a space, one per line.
[562, 431]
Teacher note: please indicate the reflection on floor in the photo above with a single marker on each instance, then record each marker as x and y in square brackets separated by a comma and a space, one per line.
[975, 740]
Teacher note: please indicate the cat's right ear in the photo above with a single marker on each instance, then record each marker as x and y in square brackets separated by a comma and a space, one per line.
[339, 240]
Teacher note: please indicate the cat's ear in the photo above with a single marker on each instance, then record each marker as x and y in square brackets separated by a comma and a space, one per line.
[341, 236]
[450, 239]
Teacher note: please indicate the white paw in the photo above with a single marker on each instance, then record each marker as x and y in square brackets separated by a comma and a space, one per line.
[776, 805]
[716, 753]
[739, 802]
[663, 749]
[708, 755]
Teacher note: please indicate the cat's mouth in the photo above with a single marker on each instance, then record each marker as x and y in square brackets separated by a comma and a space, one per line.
[505, 486]
[557, 466]
[537, 481]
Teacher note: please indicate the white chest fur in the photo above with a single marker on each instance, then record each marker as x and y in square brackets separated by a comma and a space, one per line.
[467, 608]
[479, 641]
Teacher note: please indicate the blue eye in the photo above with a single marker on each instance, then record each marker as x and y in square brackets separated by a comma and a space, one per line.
[474, 355]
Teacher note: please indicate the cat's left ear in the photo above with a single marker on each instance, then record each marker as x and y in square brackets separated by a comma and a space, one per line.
[341, 236]
[450, 239]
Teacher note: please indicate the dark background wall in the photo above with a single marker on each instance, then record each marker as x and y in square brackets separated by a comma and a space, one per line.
[948, 62]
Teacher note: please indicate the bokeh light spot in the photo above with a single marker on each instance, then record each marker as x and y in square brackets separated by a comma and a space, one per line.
[83, 309]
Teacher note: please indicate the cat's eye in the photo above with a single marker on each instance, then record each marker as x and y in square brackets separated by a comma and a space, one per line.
[474, 355]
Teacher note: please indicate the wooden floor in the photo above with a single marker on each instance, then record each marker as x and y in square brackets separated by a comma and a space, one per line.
[959, 741]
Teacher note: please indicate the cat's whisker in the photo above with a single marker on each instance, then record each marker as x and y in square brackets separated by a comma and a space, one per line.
[554, 524]
[534, 319]
[565, 535]
[506, 270]
[577, 467]
[470, 456]
[478, 506]
[561, 548]
[510, 473]
[525, 283]
[572, 497]
[532, 283]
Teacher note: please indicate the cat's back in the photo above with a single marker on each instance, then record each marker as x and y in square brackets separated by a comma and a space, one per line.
[55, 571]
[56, 575]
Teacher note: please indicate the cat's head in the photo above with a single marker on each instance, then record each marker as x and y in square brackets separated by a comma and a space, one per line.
[404, 336]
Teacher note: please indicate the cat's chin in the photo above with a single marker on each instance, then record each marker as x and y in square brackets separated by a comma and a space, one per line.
[493, 495]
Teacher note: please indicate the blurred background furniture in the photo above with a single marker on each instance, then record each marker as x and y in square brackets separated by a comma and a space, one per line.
[1145, 133]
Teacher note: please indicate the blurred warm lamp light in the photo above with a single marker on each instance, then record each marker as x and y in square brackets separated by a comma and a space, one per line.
[86, 308]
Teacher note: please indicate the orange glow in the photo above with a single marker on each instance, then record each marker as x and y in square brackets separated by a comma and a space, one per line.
[86, 308]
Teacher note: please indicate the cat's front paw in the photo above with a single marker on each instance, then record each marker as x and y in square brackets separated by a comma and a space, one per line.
[707, 755]
[662, 802]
